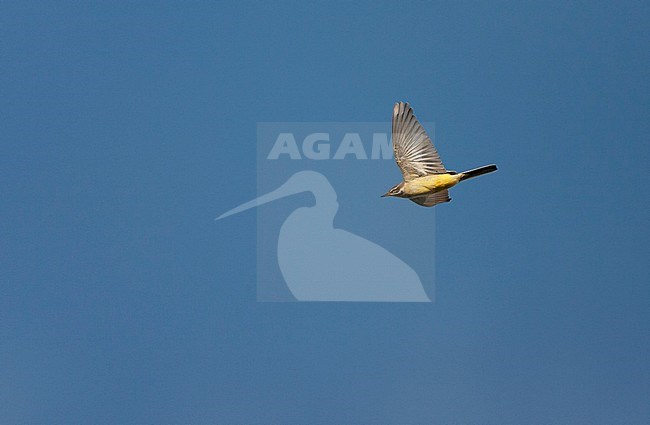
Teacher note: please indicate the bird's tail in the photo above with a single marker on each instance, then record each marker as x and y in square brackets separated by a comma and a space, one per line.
[478, 171]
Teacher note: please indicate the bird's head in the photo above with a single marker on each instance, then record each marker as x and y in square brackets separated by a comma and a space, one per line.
[397, 190]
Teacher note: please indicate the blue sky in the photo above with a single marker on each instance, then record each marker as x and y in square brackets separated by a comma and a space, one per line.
[128, 127]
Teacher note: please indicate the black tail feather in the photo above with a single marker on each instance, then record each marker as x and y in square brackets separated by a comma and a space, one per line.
[478, 171]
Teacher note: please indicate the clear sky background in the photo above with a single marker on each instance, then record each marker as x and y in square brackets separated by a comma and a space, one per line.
[127, 127]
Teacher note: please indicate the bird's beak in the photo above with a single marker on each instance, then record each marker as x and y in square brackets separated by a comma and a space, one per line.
[278, 193]
[386, 194]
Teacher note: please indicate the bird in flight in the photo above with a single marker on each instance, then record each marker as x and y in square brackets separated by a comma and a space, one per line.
[426, 181]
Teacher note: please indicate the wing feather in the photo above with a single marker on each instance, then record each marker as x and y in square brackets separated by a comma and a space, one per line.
[433, 199]
[414, 153]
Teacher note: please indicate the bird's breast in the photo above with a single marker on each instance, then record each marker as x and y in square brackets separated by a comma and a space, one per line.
[431, 184]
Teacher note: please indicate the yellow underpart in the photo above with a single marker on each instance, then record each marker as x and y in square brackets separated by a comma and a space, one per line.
[431, 184]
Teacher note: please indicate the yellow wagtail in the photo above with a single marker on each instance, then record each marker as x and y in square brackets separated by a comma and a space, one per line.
[426, 181]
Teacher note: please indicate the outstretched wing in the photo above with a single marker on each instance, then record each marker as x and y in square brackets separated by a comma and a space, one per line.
[433, 199]
[413, 150]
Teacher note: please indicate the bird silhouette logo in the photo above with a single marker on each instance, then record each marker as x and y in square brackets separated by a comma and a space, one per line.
[322, 263]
